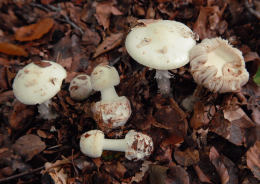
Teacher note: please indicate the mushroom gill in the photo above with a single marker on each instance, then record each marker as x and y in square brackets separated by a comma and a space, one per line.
[218, 66]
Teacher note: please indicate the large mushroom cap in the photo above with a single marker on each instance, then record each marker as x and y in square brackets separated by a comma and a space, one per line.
[139, 145]
[91, 143]
[218, 66]
[37, 83]
[104, 76]
[160, 44]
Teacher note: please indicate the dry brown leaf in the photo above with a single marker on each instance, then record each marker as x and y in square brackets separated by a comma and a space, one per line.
[208, 21]
[11, 49]
[201, 115]
[104, 11]
[109, 43]
[253, 159]
[177, 175]
[225, 167]
[232, 125]
[28, 146]
[187, 157]
[20, 115]
[34, 31]
[201, 175]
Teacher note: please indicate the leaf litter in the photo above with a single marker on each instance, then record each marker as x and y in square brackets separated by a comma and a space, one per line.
[212, 142]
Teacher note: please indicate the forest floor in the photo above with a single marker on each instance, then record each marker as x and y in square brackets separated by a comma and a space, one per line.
[216, 141]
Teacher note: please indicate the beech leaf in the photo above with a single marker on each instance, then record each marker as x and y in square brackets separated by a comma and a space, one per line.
[34, 31]
[11, 49]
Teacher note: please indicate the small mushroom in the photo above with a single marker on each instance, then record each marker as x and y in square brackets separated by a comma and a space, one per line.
[37, 83]
[80, 87]
[162, 45]
[218, 66]
[112, 111]
[136, 146]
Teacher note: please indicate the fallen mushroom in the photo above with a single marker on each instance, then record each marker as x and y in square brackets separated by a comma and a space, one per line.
[80, 87]
[218, 66]
[112, 111]
[37, 83]
[136, 146]
[162, 45]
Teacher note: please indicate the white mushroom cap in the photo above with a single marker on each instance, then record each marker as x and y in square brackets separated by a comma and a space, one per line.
[218, 66]
[139, 145]
[91, 143]
[80, 87]
[37, 83]
[160, 44]
[104, 76]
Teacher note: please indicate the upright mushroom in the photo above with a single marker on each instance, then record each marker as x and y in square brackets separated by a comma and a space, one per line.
[136, 145]
[112, 111]
[37, 83]
[218, 66]
[162, 45]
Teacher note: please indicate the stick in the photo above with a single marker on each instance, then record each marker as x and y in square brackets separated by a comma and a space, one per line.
[21, 174]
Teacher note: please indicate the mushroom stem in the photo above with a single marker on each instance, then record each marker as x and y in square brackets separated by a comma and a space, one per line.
[45, 110]
[108, 94]
[163, 82]
[115, 145]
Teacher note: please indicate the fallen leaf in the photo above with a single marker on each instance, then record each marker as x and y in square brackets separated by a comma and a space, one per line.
[202, 115]
[232, 124]
[187, 157]
[157, 174]
[11, 49]
[34, 31]
[225, 167]
[104, 11]
[28, 146]
[109, 43]
[253, 158]
[177, 175]
[201, 175]
[20, 115]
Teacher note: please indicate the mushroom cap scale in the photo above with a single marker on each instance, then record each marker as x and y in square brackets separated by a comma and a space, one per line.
[160, 44]
[35, 84]
[139, 145]
[112, 114]
[104, 76]
[218, 66]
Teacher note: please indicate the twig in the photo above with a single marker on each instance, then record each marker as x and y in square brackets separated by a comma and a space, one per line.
[67, 20]
[21, 174]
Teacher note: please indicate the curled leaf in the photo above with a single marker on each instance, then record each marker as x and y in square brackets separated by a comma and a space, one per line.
[34, 31]
[11, 49]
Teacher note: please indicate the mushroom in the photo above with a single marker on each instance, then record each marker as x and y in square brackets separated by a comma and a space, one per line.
[37, 83]
[112, 111]
[218, 66]
[136, 145]
[80, 87]
[162, 45]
